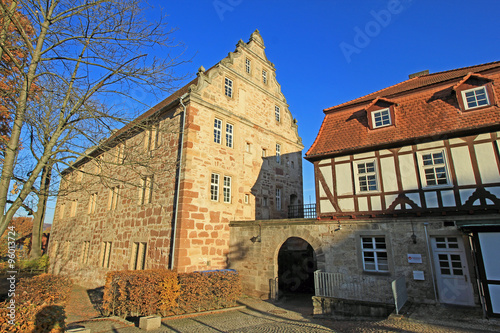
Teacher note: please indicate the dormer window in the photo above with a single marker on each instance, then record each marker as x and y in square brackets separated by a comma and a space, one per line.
[475, 98]
[473, 92]
[381, 118]
[380, 113]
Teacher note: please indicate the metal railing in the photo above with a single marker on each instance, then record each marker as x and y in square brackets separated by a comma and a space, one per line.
[359, 288]
[307, 211]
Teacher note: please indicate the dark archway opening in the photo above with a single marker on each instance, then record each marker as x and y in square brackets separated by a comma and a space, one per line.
[296, 266]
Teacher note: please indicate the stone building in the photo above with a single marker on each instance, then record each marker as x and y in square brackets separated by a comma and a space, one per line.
[224, 147]
[407, 185]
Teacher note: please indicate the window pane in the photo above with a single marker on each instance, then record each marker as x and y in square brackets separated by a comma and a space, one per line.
[367, 243]
[361, 168]
[370, 167]
[427, 159]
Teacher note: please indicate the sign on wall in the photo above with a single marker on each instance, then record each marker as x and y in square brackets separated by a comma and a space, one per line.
[414, 258]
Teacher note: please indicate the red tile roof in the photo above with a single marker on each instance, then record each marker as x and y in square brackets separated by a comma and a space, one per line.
[426, 108]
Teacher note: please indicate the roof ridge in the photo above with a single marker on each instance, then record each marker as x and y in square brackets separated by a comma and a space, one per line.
[379, 93]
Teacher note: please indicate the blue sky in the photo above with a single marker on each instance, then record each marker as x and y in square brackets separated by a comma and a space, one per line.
[327, 52]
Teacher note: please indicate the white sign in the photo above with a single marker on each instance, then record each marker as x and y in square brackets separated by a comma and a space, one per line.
[414, 258]
[418, 275]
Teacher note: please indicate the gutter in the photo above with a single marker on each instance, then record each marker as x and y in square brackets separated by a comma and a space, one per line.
[171, 262]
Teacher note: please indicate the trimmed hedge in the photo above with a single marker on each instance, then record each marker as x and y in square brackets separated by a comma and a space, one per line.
[39, 305]
[163, 292]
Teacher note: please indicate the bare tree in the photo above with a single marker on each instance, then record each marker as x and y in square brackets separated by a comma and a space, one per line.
[82, 54]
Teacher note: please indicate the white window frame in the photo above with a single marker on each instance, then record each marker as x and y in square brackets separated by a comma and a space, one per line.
[277, 114]
[264, 76]
[217, 130]
[377, 251]
[120, 153]
[248, 65]
[113, 197]
[105, 255]
[226, 189]
[146, 190]
[278, 199]
[466, 103]
[247, 198]
[278, 153]
[84, 259]
[229, 135]
[214, 186]
[379, 112]
[138, 257]
[422, 168]
[357, 175]
[228, 87]
[92, 203]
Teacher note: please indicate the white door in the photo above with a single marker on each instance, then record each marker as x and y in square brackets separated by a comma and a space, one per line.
[452, 273]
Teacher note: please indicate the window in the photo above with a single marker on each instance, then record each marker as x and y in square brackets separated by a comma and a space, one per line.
[278, 199]
[99, 161]
[214, 187]
[247, 198]
[85, 252]
[92, 203]
[433, 169]
[61, 211]
[228, 87]
[277, 112]
[381, 118]
[105, 254]
[278, 153]
[113, 198]
[264, 152]
[151, 138]
[146, 190]
[247, 65]
[366, 176]
[247, 147]
[264, 76]
[138, 258]
[67, 245]
[292, 164]
[229, 135]
[475, 98]
[74, 205]
[264, 202]
[120, 153]
[227, 189]
[374, 254]
[217, 130]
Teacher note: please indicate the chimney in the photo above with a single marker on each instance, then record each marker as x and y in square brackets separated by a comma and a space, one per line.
[411, 76]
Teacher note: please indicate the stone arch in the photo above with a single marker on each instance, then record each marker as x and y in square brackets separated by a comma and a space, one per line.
[315, 243]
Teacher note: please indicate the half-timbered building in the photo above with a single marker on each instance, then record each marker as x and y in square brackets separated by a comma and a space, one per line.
[411, 174]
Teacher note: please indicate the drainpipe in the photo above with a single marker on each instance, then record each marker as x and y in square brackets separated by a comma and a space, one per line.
[178, 186]
[430, 262]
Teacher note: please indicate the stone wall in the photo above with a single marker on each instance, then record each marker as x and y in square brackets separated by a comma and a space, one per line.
[337, 248]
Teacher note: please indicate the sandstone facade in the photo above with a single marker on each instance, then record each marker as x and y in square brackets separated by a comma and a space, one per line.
[240, 160]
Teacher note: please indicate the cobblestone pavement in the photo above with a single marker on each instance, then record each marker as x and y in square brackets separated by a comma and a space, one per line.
[295, 315]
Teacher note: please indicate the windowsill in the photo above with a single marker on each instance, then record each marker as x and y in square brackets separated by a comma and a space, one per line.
[376, 273]
[436, 187]
[484, 107]
[367, 193]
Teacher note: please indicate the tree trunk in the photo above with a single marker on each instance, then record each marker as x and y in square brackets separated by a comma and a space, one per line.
[39, 216]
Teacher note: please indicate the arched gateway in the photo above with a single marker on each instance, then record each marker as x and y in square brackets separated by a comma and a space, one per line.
[296, 261]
